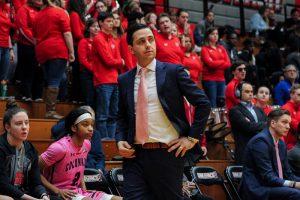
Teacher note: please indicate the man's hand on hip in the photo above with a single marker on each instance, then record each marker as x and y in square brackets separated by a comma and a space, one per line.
[181, 144]
[125, 149]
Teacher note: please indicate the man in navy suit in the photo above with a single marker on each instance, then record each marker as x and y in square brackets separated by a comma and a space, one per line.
[246, 120]
[267, 174]
[153, 169]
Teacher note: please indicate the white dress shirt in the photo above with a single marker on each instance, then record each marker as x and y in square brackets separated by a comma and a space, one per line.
[160, 127]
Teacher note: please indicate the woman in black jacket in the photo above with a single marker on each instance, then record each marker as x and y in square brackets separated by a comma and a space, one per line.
[19, 171]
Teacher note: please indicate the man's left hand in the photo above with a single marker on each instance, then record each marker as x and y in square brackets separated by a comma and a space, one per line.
[181, 144]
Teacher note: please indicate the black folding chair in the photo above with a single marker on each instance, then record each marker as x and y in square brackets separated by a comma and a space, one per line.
[95, 180]
[117, 179]
[234, 175]
[202, 175]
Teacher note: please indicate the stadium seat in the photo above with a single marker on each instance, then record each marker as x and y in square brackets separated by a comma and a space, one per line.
[95, 180]
[202, 175]
[234, 175]
[116, 177]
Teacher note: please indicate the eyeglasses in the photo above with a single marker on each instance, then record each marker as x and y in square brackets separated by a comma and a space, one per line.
[241, 69]
[99, 6]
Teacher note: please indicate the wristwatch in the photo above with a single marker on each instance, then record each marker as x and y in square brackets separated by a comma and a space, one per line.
[193, 140]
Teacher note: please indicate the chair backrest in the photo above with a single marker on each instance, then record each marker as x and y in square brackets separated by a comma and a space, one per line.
[234, 175]
[95, 180]
[206, 176]
[116, 176]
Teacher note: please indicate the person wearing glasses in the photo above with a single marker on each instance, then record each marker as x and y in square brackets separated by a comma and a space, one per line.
[238, 70]
[282, 89]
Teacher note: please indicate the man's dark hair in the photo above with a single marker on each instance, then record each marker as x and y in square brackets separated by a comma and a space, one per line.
[181, 11]
[133, 16]
[162, 15]
[104, 15]
[236, 64]
[276, 114]
[132, 29]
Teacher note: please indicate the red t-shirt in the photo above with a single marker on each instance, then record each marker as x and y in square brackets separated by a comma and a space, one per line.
[128, 57]
[230, 99]
[18, 4]
[49, 34]
[24, 21]
[215, 62]
[77, 27]
[5, 25]
[180, 29]
[294, 110]
[107, 59]
[194, 64]
[85, 54]
[168, 49]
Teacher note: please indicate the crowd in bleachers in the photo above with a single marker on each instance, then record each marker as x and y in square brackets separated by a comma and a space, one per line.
[75, 50]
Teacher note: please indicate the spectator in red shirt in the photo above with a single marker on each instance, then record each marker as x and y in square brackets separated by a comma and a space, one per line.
[183, 26]
[32, 76]
[6, 51]
[117, 30]
[168, 46]
[100, 7]
[151, 20]
[262, 99]
[54, 48]
[293, 106]
[106, 63]
[77, 20]
[85, 59]
[215, 61]
[238, 70]
[191, 60]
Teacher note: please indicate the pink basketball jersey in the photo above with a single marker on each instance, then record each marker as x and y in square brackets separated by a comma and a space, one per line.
[66, 162]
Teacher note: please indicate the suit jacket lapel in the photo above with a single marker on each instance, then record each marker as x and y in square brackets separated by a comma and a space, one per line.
[273, 151]
[130, 90]
[160, 78]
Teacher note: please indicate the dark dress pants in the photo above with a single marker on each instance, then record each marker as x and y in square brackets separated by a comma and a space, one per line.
[154, 174]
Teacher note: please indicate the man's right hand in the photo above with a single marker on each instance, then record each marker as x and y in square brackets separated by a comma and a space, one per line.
[125, 150]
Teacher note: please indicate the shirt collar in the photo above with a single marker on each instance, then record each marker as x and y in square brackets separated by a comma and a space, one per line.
[151, 66]
[247, 104]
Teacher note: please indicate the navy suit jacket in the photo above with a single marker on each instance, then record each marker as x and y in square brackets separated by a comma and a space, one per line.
[244, 127]
[260, 172]
[173, 83]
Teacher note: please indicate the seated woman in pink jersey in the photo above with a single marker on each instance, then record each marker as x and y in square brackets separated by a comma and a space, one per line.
[68, 157]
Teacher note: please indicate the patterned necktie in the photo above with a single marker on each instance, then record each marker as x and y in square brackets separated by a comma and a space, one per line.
[279, 166]
[142, 109]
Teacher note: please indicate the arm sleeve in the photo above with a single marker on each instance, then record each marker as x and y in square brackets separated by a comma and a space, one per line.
[262, 159]
[103, 53]
[122, 119]
[83, 55]
[75, 22]
[239, 122]
[22, 24]
[35, 177]
[6, 188]
[53, 154]
[198, 99]
[96, 158]
[209, 62]
[64, 22]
